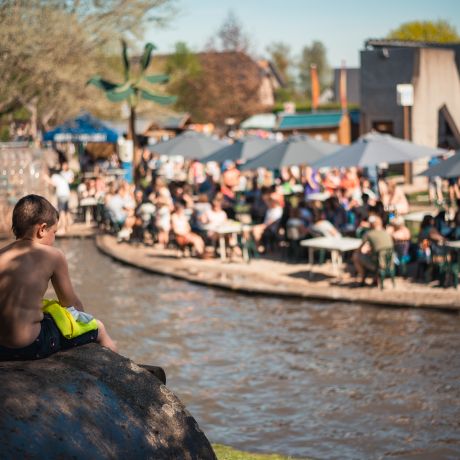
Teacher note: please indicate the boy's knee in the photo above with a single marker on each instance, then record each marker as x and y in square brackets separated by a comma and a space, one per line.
[100, 325]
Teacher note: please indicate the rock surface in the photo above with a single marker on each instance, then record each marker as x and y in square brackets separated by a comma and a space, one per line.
[90, 403]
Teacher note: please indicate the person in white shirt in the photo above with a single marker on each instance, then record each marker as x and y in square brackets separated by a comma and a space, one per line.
[213, 218]
[60, 181]
[272, 217]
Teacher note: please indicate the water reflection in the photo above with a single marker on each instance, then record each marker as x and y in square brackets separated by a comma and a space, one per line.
[306, 379]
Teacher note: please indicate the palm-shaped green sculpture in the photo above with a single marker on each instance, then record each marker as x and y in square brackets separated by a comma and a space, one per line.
[133, 88]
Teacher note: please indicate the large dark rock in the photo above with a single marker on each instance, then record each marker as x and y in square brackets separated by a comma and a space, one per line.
[90, 403]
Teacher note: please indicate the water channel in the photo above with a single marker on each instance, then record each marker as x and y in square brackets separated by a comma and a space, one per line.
[307, 379]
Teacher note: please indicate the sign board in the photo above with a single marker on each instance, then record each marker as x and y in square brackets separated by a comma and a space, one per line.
[125, 150]
[405, 95]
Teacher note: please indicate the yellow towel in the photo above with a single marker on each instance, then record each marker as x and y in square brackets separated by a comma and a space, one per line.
[66, 323]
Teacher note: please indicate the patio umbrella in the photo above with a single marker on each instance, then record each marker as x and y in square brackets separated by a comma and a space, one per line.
[446, 168]
[241, 150]
[190, 145]
[295, 150]
[375, 148]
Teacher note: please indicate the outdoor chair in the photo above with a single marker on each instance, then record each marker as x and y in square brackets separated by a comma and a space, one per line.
[444, 265]
[384, 266]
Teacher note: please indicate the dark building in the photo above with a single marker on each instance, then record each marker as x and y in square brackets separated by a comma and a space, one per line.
[432, 69]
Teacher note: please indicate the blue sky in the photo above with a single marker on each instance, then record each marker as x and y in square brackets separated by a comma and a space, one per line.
[342, 25]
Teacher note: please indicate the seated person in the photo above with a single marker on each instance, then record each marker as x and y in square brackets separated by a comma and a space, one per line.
[374, 241]
[26, 267]
[455, 227]
[428, 231]
[401, 237]
[183, 232]
[323, 227]
[297, 228]
[398, 229]
[213, 218]
[163, 221]
[271, 220]
[200, 208]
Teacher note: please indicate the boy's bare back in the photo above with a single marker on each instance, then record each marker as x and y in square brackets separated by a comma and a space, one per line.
[26, 267]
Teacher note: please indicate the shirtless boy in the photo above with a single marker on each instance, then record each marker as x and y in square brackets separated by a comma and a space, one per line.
[26, 267]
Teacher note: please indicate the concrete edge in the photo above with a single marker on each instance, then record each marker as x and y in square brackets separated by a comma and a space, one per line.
[258, 291]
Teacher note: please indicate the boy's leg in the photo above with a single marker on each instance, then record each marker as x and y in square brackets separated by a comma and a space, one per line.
[103, 337]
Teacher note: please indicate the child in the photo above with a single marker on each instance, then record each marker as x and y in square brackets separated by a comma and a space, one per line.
[26, 266]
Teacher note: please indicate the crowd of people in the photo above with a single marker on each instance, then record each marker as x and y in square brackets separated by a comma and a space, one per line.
[184, 203]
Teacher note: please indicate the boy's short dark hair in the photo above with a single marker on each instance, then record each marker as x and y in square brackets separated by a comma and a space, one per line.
[31, 210]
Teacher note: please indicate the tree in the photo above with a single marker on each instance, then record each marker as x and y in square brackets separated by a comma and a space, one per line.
[184, 68]
[426, 31]
[49, 48]
[134, 87]
[230, 36]
[281, 56]
[314, 54]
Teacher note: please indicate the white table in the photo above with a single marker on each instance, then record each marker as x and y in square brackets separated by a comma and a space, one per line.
[337, 246]
[88, 204]
[231, 228]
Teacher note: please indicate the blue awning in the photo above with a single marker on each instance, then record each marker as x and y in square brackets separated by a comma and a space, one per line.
[83, 128]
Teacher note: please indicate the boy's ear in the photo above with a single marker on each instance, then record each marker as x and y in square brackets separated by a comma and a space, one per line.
[41, 228]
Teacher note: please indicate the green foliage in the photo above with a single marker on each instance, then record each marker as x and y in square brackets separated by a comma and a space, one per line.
[183, 62]
[227, 453]
[50, 48]
[131, 89]
[316, 54]
[4, 134]
[427, 31]
[285, 95]
[185, 70]
[306, 107]
[280, 56]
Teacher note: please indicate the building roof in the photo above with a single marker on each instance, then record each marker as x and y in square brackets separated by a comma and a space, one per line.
[309, 120]
[259, 121]
[379, 43]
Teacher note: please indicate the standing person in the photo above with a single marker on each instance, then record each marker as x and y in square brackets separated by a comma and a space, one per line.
[230, 181]
[60, 182]
[435, 184]
[27, 329]
[397, 201]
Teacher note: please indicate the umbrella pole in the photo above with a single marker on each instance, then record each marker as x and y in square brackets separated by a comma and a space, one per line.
[407, 165]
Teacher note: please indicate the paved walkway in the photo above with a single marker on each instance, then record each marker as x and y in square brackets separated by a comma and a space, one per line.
[269, 277]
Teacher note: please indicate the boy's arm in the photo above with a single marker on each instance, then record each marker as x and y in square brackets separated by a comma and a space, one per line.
[62, 284]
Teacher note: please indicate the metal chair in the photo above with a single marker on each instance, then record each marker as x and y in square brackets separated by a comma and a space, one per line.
[385, 266]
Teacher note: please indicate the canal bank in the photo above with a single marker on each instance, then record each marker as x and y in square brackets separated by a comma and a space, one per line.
[277, 278]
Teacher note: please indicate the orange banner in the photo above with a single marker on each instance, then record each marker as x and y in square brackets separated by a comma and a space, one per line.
[314, 87]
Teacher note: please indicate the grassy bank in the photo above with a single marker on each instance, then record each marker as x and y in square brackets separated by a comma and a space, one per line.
[228, 453]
